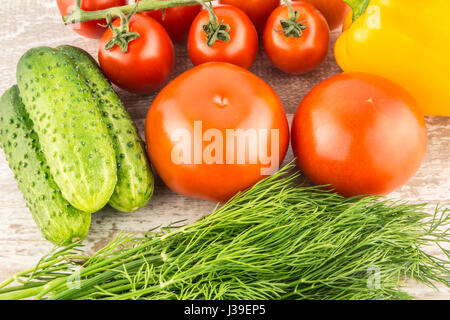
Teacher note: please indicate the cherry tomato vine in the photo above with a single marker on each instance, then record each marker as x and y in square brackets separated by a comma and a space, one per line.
[79, 15]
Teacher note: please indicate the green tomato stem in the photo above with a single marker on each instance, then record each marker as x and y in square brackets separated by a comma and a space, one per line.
[78, 15]
[215, 31]
[121, 34]
[292, 27]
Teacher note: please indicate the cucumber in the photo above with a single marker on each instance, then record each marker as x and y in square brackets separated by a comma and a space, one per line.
[135, 181]
[72, 135]
[58, 221]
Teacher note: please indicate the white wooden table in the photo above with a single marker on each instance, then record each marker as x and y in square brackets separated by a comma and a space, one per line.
[30, 23]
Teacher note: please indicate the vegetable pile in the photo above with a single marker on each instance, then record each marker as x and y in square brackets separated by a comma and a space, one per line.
[218, 132]
[275, 241]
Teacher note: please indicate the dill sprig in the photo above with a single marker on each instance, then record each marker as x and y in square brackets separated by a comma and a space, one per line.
[278, 240]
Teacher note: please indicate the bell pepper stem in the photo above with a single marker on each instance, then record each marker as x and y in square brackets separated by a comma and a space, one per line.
[79, 15]
[358, 7]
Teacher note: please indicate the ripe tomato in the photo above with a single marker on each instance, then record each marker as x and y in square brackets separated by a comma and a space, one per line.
[215, 130]
[148, 63]
[360, 133]
[293, 54]
[176, 20]
[242, 48]
[89, 29]
[348, 21]
[257, 10]
[334, 11]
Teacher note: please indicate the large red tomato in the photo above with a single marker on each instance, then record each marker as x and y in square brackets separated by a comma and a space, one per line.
[297, 54]
[215, 130]
[257, 10]
[176, 20]
[360, 133]
[89, 29]
[240, 50]
[334, 11]
[148, 63]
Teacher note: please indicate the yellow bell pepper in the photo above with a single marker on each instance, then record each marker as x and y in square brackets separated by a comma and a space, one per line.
[406, 41]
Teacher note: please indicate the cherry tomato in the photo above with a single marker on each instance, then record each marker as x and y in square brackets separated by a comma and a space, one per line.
[148, 63]
[334, 11]
[297, 55]
[242, 48]
[257, 10]
[360, 133]
[210, 130]
[348, 21]
[89, 29]
[176, 20]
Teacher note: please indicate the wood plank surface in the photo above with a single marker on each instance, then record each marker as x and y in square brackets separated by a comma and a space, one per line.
[30, 23]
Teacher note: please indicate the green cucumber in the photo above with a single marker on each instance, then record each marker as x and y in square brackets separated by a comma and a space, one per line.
[58, 221]
[135, 181]
[72, 135]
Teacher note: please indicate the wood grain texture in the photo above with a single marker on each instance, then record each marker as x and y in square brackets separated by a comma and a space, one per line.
[31, 23]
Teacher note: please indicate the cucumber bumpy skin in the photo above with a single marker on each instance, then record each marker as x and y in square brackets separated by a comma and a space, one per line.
[135, 182]
[58, 221]
[71, 132]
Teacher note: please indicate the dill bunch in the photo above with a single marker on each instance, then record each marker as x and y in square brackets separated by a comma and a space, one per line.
[278, 240]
